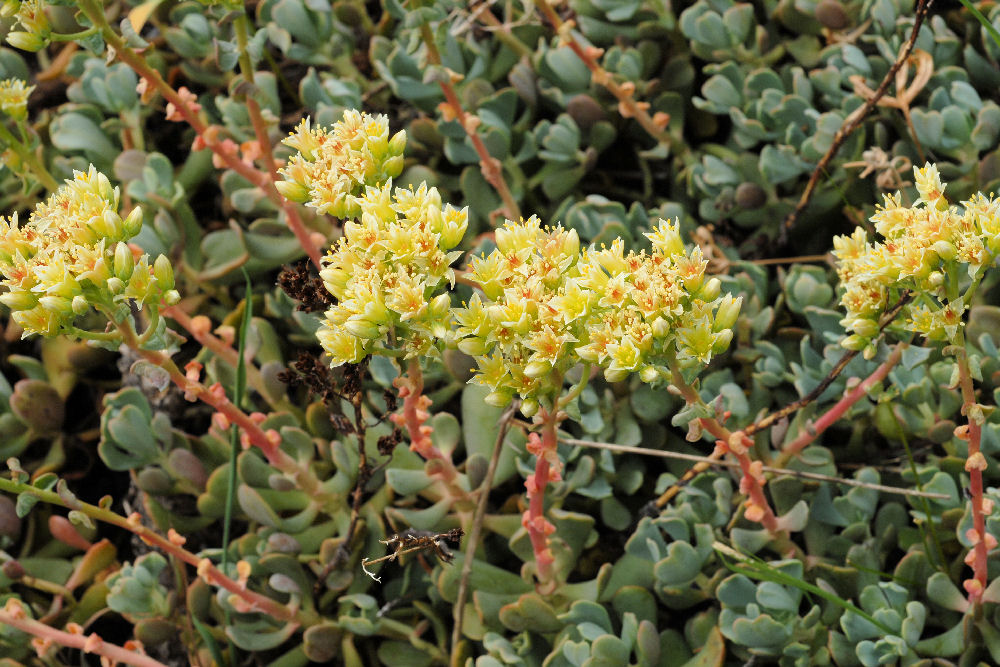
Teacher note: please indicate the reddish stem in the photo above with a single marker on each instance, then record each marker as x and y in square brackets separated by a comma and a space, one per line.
[736, 443]
[489, 165]
[14, 615]
[413, 417]
[975, 464]
[216, 345]
[627, 105]
[831, 416]
[538, 527]
[227, 154]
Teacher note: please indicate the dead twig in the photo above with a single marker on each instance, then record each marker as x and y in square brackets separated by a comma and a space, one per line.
[477, 524]
[709, 461]
[409, 541]
[853, 121]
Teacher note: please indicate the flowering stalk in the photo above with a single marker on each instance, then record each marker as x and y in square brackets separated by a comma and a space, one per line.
[452, 110]
[14, 615]
[831, 416]
[250, 600]
[264, 142]
[982, 541]
[268, 442]
[548, 468]
[758, 509]
[628, 107]
[413, 417]
[225, 151]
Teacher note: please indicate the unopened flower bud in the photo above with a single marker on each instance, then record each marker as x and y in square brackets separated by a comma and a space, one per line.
[710, 289]
[854, 342]
[529, 408]
[498, 399]
[474, 347]
[164, 273]
[25, 41]
[393, 166]
[172, 297]
[863, 327]
[397, 143]
[721, 340]
[536, 369]
[124, 263]
[727, 313]
[132, 224]
[292, 191]
[660, 328]
[112, 226]
[615, 374]
[363, 328]
[56, 304]
[440, 305]
[19, 300]
[80, 304]
[115, 285]
[944, 250]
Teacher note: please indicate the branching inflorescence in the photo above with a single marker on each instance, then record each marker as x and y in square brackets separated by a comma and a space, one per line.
[940, 253]
[546, 306]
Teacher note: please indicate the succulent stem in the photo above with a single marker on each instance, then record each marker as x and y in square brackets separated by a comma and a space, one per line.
[975, 464]
[831, 416]
[539, 528]
[14, 615]
[490, 166]
[224, 151]
[413, 418]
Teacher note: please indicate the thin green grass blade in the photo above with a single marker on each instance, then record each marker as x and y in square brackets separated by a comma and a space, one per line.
[206, 636]
[983, 20]
[755, 568]
[234, 436]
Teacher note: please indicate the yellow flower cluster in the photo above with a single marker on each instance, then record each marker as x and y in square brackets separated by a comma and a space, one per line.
[548, 306]
[387, 273]
[72, 255]
[14, 98]
[332, 167]
[922, 248]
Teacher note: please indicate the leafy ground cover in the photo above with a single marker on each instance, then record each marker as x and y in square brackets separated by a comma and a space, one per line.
[600, 332]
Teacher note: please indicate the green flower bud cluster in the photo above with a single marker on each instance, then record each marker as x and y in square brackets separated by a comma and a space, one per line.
[389, 272]
[332, 167]
[14, 98]
[548, 306]
[924, 248]
[72, 254]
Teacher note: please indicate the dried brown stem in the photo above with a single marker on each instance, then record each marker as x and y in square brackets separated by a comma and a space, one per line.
[713, 462]
[854, 120]
[477, 527]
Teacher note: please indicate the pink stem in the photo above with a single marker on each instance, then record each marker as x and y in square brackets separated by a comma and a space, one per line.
[227, 154]
[14, 615]
[538, 527]
[831, 416]
[413, 418]
[974, 465]
[736, 443]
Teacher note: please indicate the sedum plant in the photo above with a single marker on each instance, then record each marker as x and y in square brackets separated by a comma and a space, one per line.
[631, 441]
